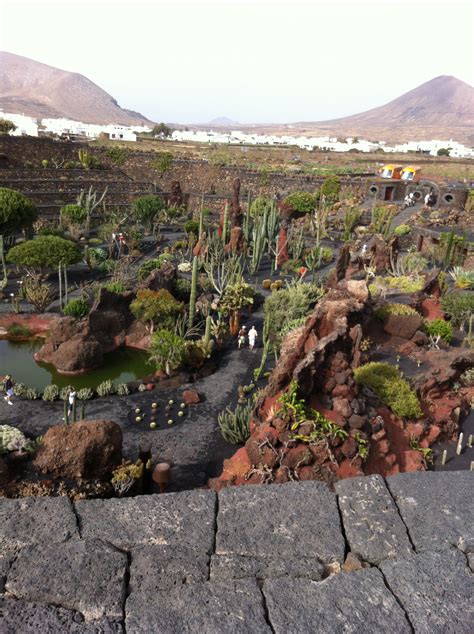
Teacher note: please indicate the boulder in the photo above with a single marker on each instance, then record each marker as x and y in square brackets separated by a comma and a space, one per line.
[403, 326]
[191, 397]
[86, 449]
[164, 277]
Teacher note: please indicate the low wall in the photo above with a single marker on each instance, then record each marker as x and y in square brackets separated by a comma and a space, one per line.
[293, 557]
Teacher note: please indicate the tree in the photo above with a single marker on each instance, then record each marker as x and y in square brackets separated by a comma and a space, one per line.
[156, 307]
[162, 130]
[7, 126]
[147, 208]
[45, 253]
[236, 297]
[16, 212]
[444, 151]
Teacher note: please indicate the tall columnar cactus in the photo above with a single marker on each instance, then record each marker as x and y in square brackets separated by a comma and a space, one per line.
[201, 218]
[192, 299]
[207, 332]
[225, 224]
[247, 219]
[11, 439]
[66, 417]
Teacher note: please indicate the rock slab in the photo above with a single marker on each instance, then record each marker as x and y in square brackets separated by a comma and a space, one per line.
[371, 521]
[436, 590]
[294, 520]
[356, 602]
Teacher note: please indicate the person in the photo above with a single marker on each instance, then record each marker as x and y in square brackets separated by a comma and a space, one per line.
[428, 199]
[252, 336]
[71, 399]
[241, 336]
[8, 388]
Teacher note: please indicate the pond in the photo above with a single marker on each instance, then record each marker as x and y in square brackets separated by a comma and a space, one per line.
[120, 366]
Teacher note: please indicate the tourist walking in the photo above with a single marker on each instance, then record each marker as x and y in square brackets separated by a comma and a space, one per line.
[242, 335]
[8, 388]
[253, 334]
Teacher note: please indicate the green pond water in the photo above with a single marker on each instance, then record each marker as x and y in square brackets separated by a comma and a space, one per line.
[121, 366]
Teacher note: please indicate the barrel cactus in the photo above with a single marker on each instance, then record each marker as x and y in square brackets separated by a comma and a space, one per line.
[11, 439]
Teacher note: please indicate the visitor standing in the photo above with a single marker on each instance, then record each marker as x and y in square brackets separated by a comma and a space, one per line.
[241, 337]
[71, 399]
[8, 388]
[253, 334]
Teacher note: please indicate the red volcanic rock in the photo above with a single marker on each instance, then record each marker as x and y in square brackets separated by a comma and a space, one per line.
[349, 447]
[281, 475]
[412, 460]
[341, 406]
[297, 456]
[238, 465]
[306, 473]
[356, 421]
[191, 397]
[431, 309]
[85, 450]
[341, 390]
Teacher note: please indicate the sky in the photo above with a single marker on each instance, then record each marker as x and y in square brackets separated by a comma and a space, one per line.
[253, 61]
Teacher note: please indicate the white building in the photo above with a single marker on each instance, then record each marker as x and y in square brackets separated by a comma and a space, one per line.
[30, 126]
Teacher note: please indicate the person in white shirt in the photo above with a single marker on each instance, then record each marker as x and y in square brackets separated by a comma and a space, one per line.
[252, 337]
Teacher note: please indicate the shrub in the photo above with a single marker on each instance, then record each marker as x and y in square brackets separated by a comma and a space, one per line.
[192, 226]
[151, 265]
[439, 327]
[16, 211]
[118, 155]
[45, 252]
[413, 263]
[19, 389]
[156, 306]
[106, 388]
[260, 205]
[85, 394]
[31, 393]
[18, 330]
[463, 278]
[289, 304]
[331, 188]
[51, 393]
[391, 389]
[182, 289]
[147, 209]
[76, 308]
[402, 230]
[235, 425]
[11, 439]
[382, 312]
[64, 392]
[458, 306]
[122, 389]
[302, 202]
[115, 287]
[167, 350]
[39, 294]
[402, 284]
[73, 214]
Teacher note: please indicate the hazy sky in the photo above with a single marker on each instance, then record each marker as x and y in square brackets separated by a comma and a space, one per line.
[250, 60]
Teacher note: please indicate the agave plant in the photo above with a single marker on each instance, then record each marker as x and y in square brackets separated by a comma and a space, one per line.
[462, 277]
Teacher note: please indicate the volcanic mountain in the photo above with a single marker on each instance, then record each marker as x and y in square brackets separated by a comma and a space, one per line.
[37, 90]
[442, 108]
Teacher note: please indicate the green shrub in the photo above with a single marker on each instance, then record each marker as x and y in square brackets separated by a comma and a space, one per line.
[289, 304]
[19, 389]
[401, 284]
[167, 350]
[302, 202]
[51, 393]
[192, 226]
[31, 393]
[106, 388]
[16, 211]
[76, 308]
[64, 392]
[151, 265]
[382, 312]
[402, 230]
[118, 155]
[115, 287]
[85, 394]
[182, 288]
[391, 389]
[45, 252]
[73, 213]
[156, 307]
[331, 188]
[18, 330]
[235, 425]
[458, 306]
[260, 205]
[11, 439]
[439, 327]
[147, 209]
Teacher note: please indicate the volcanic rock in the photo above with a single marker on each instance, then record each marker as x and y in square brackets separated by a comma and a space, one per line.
[86, 449]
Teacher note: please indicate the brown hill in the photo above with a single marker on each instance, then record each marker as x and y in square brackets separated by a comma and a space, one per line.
[441, 108]
[38, 90]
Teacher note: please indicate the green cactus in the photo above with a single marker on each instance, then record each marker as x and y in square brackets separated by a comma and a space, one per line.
[201, 218]
[225, 224]
[11, 439]
[234, 425]
[192, 299]
[66, 417]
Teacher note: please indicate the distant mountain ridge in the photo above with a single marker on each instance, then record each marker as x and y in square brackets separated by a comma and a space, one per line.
[38, 90]
[223, 122]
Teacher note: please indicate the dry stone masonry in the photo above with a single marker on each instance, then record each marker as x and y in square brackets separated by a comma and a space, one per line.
[374, 556]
